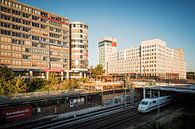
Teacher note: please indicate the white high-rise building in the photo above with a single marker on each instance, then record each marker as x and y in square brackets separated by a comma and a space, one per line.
[152, 59]
[159, 60]
[125, 61]
[79, 49]
[106, 46]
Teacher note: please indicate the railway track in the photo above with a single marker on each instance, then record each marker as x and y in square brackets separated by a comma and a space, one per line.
[127, 118]
[98, 122]
[79, 120]
[117, 123]
[110, 118]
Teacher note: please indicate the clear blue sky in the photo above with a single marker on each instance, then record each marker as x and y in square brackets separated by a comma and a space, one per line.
[131, 21]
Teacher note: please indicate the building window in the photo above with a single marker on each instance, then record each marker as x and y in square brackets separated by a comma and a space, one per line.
[26, 15]
[16, 27]
[3, 24]
[26, 22]
[16, 41]
[16, 34]
[4, 9]
[54, 59]
[26, 56]
[26, 29]
[5, 17]
[43, 20]
[35, 37]
[25, 36]
[43, 26]
[27, 49]
[35, 17]
[16, 20]
[35, 24]
[44, 58]
[5, 39]
[5, 32]
[16, 12]
[14, 62]
[5, 47]
[44, 14]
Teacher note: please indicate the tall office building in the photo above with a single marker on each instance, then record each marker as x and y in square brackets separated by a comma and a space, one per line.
[159, 60]
[125, 61]
[152, 59]
[34, 42]
[79, 49]
[106, 46]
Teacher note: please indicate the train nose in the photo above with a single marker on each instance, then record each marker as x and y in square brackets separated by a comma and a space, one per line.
[141, 108]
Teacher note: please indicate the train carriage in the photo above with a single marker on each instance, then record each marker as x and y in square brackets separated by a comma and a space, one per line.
[149, 104]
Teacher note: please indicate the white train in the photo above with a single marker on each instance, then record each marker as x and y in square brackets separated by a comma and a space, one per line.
[149, 104]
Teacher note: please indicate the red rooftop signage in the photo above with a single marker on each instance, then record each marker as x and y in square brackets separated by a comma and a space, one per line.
[114, 44]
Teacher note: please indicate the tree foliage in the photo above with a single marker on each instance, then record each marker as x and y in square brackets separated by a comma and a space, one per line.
[69, 84]
[98, 70]
[6, 73]
[9, 84]
[36, 84]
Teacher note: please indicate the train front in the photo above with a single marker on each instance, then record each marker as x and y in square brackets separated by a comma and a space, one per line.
[143, 106]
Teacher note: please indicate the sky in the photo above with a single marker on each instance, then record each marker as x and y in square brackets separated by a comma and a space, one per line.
[131, 21]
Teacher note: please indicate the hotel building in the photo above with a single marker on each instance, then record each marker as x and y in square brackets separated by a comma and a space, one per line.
[152, 59]
[34, 42]
[106, 46]
[79, 49]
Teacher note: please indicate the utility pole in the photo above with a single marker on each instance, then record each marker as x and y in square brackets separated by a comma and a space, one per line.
[158, 102]
[125, 89]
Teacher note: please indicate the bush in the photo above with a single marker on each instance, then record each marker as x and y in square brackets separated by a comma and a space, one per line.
[185, 121]
[153, 125]
[36, 84]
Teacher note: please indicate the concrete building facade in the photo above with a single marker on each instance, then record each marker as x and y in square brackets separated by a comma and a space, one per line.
[106, 46]
[125, 61]
[79, 49]
[34, 42]
[152, 59]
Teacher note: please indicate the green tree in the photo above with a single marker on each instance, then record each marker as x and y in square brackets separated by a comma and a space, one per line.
[74, 83]
[14, 86]
[83, 80]
[36, 84]
[65, 85]
[20, 85]
[69, 84]
[6, 73]
[98, 70]
[9, 84]
[51, 83]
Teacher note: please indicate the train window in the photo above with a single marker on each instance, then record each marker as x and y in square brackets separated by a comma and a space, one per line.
[150, 103]
[144, 102]
[154, 101]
